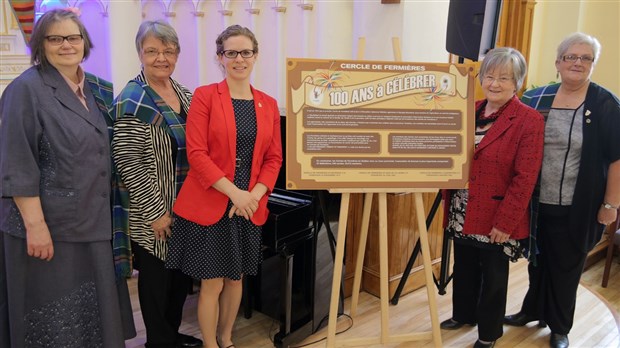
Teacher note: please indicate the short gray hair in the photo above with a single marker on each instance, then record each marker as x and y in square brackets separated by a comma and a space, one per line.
[576, 39]
[502, 57]
[159, 30]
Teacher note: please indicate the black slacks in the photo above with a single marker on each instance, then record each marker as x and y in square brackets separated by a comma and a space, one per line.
[553, 282]
[162, 293]
[479, 289]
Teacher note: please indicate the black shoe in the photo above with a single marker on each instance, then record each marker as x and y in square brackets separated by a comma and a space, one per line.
[558, 341]
[479, 344]
[520, 319]
[452, 324]
[188, 341]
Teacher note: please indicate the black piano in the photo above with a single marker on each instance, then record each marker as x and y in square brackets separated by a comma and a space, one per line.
[288, 287]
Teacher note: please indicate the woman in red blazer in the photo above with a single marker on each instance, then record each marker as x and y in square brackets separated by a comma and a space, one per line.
[490, 218]
[235, 154]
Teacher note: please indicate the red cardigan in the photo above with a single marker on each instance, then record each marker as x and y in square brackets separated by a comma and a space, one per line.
[211, 152]
[503, 173]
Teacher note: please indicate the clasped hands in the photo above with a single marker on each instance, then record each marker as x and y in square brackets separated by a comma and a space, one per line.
[245, 204]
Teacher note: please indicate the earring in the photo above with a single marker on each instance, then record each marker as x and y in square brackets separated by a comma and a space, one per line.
[557, 75]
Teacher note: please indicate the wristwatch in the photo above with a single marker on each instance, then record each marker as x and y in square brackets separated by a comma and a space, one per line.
[609, 206]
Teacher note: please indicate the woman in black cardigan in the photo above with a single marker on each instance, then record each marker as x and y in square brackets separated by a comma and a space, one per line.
[579, 186]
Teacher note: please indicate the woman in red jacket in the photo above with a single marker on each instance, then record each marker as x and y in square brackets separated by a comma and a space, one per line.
[235, 154]
[490, 218]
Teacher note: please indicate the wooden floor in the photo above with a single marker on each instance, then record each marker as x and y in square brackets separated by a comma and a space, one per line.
[597, 323]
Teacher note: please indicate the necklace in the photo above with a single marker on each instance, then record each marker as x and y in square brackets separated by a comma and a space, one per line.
[570, 98]
[482, 119]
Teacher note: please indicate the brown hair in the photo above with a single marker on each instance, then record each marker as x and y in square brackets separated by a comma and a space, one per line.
[37, 40]
[235, 30]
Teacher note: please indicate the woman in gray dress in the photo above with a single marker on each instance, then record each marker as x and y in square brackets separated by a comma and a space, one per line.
[57, 281]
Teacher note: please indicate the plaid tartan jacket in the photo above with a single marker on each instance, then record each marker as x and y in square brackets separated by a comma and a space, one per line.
[140, 103]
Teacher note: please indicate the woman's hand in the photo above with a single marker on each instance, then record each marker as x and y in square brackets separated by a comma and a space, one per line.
[161, 227]
[38, 238]
[259, 191]
[244, 204]
[39, 241]
[497, 236]
[606, 216]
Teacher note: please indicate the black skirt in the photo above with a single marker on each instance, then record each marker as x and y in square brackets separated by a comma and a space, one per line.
[231, 247]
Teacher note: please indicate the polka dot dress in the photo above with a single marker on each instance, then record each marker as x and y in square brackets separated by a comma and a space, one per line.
[230, 247]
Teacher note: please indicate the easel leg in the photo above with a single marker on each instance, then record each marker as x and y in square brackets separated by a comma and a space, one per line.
[361, 249]
[337, 276]
[428, 275]
[383, 267]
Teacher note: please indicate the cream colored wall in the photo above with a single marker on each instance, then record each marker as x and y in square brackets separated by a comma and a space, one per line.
[554, 20]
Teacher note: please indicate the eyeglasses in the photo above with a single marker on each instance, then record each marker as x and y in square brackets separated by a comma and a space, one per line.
[573, 58]
[232, 54]
[153, 53]
[57, 40]
[501, 80]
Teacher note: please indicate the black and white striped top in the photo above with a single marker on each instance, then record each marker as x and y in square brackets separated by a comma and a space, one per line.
[143, 154]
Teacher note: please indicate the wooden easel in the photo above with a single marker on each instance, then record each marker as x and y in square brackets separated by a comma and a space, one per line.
[385, 337]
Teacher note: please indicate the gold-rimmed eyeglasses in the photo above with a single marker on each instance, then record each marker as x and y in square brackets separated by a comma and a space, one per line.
[501, 80]
[57, 40]
[153, 53]
[232, 54]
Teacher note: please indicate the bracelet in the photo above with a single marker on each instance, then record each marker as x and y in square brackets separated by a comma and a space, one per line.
[609, 206]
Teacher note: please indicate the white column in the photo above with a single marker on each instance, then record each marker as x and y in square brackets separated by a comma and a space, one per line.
[280, 60]
[308, 24]
[253, 23]
[125, 17]
[209, 27]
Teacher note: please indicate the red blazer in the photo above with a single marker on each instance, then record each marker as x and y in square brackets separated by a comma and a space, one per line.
[503, 173]
[211, 152]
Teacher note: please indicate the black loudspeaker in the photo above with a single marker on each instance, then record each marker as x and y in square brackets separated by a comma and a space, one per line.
[472, 27]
